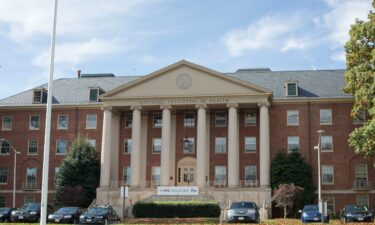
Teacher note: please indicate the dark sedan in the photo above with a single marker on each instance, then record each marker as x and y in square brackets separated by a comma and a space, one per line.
[356, 213]
[65, 215]
[30, 212]
[5, 214]
[99, 215]
[310, 213]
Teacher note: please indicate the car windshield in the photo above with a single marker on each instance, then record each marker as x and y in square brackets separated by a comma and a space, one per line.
[67, 210]
[356, 208]
[242, 205]
[31, 207]
[311, 208]
[98, 211]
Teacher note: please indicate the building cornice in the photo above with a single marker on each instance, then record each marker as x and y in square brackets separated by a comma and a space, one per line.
[312, 100]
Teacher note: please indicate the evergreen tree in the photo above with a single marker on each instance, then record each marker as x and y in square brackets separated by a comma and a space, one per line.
[292, 168]
[360, 81]
[79, 175]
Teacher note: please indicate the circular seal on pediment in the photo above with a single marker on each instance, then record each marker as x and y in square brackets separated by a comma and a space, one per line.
[184, 81]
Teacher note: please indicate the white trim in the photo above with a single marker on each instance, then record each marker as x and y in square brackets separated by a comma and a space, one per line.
[96, 121]
[28, 147]
[287, 117]
[32, 128]
[2, 123]
[58, 122]
[320, 117]
[286, 89]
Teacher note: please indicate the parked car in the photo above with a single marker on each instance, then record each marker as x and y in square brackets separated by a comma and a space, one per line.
[65, 215]
[99, 215]
[243, 212]
[356, 213]
[5, 214]
[30, 212]
[310, 213]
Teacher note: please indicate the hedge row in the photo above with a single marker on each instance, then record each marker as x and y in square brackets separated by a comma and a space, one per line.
[176, 209]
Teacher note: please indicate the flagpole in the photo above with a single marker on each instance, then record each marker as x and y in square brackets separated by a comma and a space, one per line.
[47, 134]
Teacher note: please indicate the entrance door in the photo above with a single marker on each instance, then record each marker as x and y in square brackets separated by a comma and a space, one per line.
[186, 176]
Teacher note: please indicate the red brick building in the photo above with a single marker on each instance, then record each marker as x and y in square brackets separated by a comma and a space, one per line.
[186, 125]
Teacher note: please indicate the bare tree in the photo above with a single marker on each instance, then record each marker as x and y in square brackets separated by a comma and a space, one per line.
[285, 195]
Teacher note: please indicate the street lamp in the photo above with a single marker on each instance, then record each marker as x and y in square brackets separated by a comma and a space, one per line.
[318, 148]
[14, 169]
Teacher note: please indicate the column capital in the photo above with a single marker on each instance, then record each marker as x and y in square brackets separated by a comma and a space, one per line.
[135, 107]
[261, 104]
[165, 107]
[201, 106]
[106, 108]
[232, 105]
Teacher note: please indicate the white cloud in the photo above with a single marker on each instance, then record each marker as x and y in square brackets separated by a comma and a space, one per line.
[260, 34]
[338, 56]
[296, 44]
[342, 15]
[78, 52]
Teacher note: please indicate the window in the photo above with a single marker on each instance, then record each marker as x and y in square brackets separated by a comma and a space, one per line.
[94, 93]
[128, 120]
[250, 144]
[250, 119]
[327, 174]
[32, 147]
[362, 200]
[2, 201]
[330, 204]
[158, 120]
[61, 147]
[28, 199]
[5, 146]
[220, 175]
[7, 123]
[292, 117]
[250, 174]
[293, 144]
[292, 89]
[38, 96]
[3, 175]
[155, 175]
[360, 118]
[91, 121]
[361, 175]
[220, 145]
[189, 119]
[92, 142]
[127, 146]
[126, 173]
[326, 143]
[57, 171]
[31, 178]
[325, 116]
[62, 122]
[34, 123]
[220, 119]
[189, 146]
[156, 145]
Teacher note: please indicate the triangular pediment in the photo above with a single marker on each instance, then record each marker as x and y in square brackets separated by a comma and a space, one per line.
[184, 79]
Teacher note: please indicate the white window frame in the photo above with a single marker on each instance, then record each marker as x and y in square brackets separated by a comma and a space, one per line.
[92, 142]
[128, 118]
[320, 117]
[253, 139]
[218, 114]
[356, 172]
[126, 171]
[6, 125]
[155, 121]
[59, 125]
[287, 88]
[153, 145]
[154, 169]
[248, 119]
[326, 137]
[364, 197]
[290, 138]
[333, 174]
[88, 125]
[333, 205]
[30, 122]
[217, 139]
[360, 120]
[35, 100]
[189, 121]
[35, 175]
[57, 146]
[221, 182]
[28, 147]
[5, 175]
[127, 147]
[1, 147]
[289, 116]
[97, 94]
[249, 181]
[185, 142]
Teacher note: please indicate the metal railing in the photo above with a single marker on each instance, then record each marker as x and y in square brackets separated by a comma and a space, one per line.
[362, 185]
[29, 185]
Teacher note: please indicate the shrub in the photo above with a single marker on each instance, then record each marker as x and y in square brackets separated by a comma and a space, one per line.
[176, 209]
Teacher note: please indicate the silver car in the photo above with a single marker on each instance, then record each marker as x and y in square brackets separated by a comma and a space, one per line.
[243, 212]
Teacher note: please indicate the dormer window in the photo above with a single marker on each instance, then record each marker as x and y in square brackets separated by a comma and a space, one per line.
[40, 96]
[94, 94]
[291, 88]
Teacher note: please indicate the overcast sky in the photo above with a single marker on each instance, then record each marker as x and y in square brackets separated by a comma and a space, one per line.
[137, 37]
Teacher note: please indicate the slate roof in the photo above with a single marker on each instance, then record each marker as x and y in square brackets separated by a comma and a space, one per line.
[312, 84]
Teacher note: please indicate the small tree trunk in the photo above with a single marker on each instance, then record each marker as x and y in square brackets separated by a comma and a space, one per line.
[285, 213]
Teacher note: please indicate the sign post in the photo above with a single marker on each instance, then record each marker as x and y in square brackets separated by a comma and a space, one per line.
[124, 193]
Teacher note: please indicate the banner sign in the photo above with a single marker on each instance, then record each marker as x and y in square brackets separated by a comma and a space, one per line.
[181, 190]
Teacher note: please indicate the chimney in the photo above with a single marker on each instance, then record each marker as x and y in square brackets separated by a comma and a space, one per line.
[79, 73]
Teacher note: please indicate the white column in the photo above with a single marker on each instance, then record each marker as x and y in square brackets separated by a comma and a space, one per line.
[105, 163]
[264, 145]
[233, 152]
[201, 146]
[165, 146]
[135, 159]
